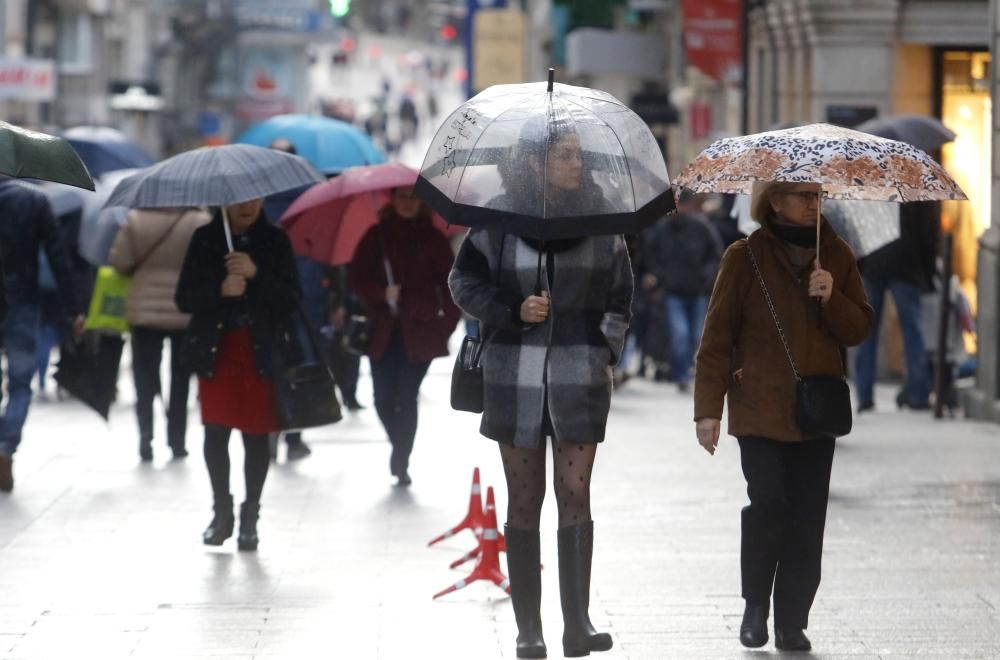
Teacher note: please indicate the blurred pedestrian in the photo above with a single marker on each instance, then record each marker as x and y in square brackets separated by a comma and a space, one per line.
[906, 269]
[400, 271]
[742, 360]
[151, 248]
[553, 338]
[274, 207]
[726, 223]
[51, 323]
[237, 299]
[341, 305]
[681, 259]
[28, 225]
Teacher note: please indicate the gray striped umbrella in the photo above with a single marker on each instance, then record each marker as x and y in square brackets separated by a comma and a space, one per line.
[214, 176]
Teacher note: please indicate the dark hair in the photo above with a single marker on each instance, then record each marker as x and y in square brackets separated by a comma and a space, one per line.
[521, 184]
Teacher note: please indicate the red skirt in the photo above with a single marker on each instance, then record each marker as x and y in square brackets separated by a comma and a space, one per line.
[238, 397]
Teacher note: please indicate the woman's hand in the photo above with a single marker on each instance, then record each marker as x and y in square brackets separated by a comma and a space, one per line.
[240, 263]
[820, 284]
[707, 429]
[234, 286]
[535, 309]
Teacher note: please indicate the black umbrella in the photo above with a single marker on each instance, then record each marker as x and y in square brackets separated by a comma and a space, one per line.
[925, 133]
[88, 369]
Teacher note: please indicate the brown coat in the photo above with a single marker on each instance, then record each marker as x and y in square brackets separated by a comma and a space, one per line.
[151, 248]
[740, 333]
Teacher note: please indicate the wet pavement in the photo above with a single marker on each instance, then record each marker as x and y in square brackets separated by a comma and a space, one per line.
[100, 556]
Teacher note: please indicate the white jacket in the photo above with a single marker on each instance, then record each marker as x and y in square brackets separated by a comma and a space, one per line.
[151, 248]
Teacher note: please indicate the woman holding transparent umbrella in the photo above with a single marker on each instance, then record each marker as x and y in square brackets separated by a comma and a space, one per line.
[555, 313]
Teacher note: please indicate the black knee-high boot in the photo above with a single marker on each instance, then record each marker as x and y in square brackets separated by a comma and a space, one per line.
[524, 566]
[576, 552]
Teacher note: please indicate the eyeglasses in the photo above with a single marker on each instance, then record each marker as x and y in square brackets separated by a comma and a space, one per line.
[803, 195]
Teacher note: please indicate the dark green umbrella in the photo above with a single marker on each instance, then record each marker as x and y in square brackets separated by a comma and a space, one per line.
[29, 155]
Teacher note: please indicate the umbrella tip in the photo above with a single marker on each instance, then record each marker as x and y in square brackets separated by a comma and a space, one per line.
[552, 78]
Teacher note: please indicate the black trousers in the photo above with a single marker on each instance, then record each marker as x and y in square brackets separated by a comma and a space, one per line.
[788, 484]
[396, 382]
[147, 350]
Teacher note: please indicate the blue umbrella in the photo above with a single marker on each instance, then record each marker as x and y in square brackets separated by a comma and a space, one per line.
[330, 145]
[105, 150]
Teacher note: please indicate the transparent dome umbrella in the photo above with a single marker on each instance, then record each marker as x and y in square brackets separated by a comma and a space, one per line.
[546, 161]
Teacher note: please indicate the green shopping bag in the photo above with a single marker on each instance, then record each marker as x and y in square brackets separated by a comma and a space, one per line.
[107, 305]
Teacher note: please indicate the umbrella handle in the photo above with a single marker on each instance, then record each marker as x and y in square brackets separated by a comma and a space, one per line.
[227, 229]
[819, 215]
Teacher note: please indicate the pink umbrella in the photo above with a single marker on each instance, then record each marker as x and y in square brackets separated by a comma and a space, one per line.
[327, 222]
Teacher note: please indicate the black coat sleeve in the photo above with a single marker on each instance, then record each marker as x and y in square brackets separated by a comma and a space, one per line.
[276, 284]
[59, 259]
[199, 289]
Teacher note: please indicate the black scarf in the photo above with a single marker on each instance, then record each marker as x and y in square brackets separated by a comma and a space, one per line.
[801, 235]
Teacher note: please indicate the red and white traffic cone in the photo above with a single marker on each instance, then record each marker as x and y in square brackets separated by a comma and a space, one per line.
[474, 519]
[473, 554]
[488, 566]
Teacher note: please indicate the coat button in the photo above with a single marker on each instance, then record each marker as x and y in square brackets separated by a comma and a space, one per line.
[219, 326]
[214, 349]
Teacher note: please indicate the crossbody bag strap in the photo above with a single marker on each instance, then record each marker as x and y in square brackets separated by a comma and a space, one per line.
[774, 313]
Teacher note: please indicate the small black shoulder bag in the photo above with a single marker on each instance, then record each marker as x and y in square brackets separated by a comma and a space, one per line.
[823, 402]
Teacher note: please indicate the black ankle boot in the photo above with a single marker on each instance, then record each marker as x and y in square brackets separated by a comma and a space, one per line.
[753, 630]
[247, 539]
[791, 639]
[576, 552]
[524, 567]
[146, 449]
[221, 527]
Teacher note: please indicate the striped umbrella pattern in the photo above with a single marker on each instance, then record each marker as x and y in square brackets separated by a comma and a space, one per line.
[214, 176]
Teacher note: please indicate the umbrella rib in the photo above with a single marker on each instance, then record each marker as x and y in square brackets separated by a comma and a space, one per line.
[472, 150]
[628, 167]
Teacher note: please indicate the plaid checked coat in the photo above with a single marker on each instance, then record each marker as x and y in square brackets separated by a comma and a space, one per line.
[563, 363]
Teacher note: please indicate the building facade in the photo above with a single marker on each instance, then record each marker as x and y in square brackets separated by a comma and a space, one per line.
[983, 401]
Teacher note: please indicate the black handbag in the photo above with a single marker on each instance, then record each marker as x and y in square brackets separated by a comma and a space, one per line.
[355, 335]
[467, 375]
[823, 402]
[304, 387]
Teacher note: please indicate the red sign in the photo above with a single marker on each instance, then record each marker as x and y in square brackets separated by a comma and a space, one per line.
[701, 120]
[713, 37]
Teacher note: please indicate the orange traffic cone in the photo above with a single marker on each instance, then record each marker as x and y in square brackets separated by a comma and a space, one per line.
[488, 566]
[473, 554]
[474, 519]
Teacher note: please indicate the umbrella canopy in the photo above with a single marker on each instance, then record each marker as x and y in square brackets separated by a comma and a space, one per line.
[329, 144]
[105, 150]
[26, 154]
[546, 161]
[924, 133]
[328, 221]
[865, 226]
[213, 176]
[846, 164]
[99, 226]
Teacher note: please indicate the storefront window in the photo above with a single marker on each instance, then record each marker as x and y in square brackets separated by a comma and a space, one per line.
[966, 109]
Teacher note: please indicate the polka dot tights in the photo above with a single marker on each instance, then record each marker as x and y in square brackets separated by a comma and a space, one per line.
[525, 472]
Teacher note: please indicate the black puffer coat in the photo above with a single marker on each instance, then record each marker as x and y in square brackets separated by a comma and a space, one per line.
[271, 297]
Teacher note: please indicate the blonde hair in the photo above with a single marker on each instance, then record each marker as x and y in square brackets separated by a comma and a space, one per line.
[760, 201]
